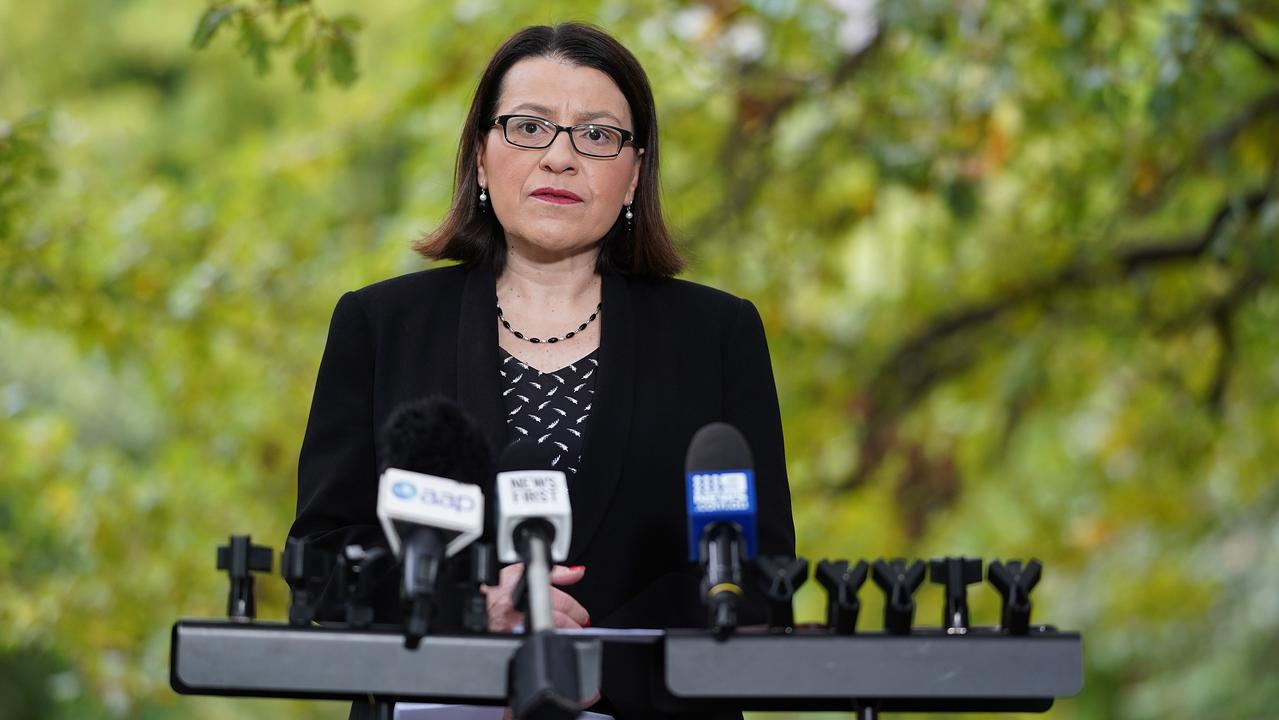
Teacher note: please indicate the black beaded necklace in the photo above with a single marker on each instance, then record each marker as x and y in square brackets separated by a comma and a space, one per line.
[525, 338]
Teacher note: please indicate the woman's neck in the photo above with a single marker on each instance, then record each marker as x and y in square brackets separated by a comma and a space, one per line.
[549, 300]
[565, 282]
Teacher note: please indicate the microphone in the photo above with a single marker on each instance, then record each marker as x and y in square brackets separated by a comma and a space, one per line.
[719, 479]
[534, 523]
[430, 502]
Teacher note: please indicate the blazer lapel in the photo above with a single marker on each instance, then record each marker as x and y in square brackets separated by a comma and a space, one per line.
[477, 386]
[609, 425]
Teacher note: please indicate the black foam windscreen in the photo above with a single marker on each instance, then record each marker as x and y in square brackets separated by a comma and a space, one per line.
[526, 455]
[718, 446]
[433, 436]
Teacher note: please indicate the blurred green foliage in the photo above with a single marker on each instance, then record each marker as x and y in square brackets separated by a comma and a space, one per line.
[318, 43]
[1017, 262]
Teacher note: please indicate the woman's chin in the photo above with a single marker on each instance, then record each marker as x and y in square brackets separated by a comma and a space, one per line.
[556, 243]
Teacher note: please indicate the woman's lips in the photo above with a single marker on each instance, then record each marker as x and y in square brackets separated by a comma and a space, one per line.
[556, 196]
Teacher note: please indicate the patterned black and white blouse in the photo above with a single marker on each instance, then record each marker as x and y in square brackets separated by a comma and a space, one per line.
[549, 408]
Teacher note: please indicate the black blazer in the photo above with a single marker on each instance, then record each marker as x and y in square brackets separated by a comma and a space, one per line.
[674, 356]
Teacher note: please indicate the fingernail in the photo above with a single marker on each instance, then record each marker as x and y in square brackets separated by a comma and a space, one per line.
[587, 623]
[576, 568]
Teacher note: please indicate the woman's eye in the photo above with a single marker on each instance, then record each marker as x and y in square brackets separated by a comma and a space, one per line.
[529, 128]
[601, 137]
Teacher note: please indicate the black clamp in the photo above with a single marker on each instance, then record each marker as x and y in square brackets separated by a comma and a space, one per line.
[955, 574]
[519, 594]
[357, 571]
[481, 569]
[240, 558]
[542, 678]
[842, 582]
[304, 569]
[779, 577]
[899, 582]
[1014, 583]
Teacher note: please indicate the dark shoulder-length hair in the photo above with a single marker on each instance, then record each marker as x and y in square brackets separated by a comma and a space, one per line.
[474, 236]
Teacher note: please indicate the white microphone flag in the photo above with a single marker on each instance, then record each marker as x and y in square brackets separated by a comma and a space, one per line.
[526, 494]
[430, 501]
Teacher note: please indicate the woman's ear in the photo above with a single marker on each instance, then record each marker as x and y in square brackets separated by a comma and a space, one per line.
[635, 173]
[479, 168]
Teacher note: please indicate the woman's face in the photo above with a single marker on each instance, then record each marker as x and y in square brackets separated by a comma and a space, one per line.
[554, 202]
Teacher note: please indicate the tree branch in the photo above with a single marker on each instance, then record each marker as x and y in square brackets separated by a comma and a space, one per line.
[1223, 134]
[1232, 30]
[1223, 315]
[743, 150]
[926, 358]
[1190, 247]
[1218, 138]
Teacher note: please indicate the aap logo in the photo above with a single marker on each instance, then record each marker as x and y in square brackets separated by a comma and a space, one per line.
[404, 490]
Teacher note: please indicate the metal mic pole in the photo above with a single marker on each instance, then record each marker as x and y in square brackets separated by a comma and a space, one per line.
[537, 582]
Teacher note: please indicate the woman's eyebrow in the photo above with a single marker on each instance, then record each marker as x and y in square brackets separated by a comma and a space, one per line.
[579, 118]
[598, 115]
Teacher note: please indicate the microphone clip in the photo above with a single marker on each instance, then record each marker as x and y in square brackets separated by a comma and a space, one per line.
[357, 571]
[899, 582]
[240, 558]
[955, 574]
[480, 569]
[304, 569]
[780, 577]
[1014, 582]
[842, 582]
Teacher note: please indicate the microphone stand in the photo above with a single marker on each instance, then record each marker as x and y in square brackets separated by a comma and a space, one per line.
[373, 709]
[422, 559]
[722, 556]
[543, 678]
[535, 550]
[480, 568]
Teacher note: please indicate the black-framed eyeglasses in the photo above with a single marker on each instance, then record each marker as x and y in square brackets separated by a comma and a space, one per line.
[589, 139]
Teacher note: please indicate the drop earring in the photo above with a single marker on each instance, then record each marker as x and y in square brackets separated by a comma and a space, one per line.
[630, 219]
[484, 199]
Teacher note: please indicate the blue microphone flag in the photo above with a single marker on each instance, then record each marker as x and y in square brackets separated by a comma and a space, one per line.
[721, 496]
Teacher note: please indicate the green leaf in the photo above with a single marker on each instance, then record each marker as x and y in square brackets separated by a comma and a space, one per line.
[25, 167]
[296, 33]
[304, 65]
[342, 60]
[286, 4]
[961, 198]
[210, 22]
[255, 43]
[348, 22]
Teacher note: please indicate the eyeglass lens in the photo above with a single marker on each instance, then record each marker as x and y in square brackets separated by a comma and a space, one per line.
[533, 132]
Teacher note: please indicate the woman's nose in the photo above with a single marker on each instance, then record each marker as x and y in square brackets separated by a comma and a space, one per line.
[560, 156]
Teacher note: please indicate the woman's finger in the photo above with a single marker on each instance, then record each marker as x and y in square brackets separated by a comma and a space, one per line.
[567, 574]
[503, 617]
[509, 575]
[564, 621]
[567, 604]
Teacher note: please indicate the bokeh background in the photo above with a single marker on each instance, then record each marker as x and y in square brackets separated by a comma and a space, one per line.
[1017, 261]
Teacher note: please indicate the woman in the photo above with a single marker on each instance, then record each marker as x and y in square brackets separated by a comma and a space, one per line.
[560, 324]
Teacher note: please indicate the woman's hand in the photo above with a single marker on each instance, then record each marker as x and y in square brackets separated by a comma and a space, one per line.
[567, 611]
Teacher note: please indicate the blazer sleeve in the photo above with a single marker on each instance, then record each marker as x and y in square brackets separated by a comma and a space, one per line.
[337, 467]
[750, 405]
